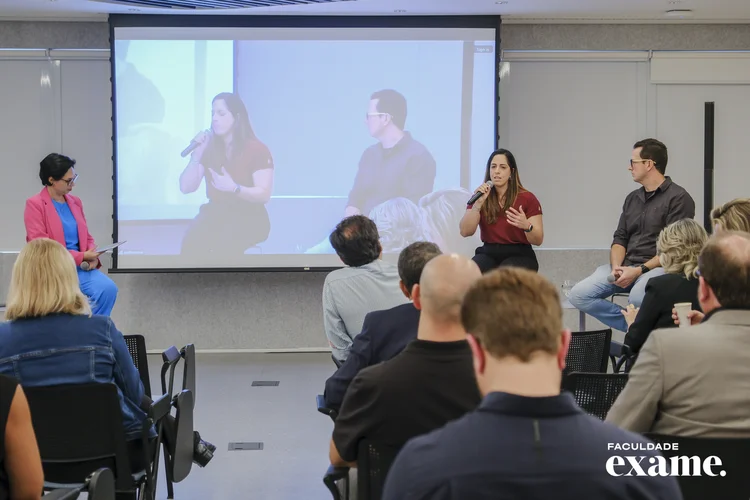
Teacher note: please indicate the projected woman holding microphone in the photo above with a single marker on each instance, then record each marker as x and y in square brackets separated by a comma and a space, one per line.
[238, 169]
[508, 216]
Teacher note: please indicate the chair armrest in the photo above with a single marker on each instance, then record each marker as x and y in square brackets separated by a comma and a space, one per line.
[332, 475]
[322, 408]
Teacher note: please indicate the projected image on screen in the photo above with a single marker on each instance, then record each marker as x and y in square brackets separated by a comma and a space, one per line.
[245, 147]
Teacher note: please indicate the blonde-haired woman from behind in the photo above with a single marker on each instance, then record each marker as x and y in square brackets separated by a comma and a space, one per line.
[52, 338]
[678, 247]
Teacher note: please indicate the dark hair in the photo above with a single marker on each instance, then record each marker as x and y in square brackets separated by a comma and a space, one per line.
[393, 103]
[654, 150]
[725, 267]
[356, 241]
[242, 133]
[56, 166]
[491, 208]
[412, 259]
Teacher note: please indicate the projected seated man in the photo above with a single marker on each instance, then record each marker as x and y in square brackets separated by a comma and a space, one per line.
[238, 169]
[367, 283]
[632, 258]
[398, 166]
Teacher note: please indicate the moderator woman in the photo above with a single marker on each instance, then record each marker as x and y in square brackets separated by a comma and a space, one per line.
[238, 170]
[56, 214]
[508, 216]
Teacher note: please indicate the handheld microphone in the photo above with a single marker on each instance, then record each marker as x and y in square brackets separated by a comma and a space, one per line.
[192, 146]
[611, 278]
[477, 195]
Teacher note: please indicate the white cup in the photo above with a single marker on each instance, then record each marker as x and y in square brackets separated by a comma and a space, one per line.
[683, 308]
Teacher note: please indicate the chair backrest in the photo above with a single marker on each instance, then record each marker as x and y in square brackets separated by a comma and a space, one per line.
[595, 392]
[137, 348]
[374, 460]
[79, 430]
[588, 352]
[734, 454]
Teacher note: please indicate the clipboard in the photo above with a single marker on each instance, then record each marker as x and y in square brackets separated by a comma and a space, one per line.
[108, 248]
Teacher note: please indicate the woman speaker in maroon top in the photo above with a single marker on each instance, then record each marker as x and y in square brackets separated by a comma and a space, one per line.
[508, 216]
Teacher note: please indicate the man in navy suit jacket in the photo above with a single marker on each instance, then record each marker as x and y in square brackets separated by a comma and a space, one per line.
[384, 333]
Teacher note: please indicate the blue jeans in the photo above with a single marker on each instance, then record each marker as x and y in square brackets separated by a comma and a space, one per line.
[100, 290]
[590, 296]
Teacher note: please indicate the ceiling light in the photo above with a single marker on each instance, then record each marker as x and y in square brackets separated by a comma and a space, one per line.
[399, 11]
[134, 10]
[501, 2]
[679, 13]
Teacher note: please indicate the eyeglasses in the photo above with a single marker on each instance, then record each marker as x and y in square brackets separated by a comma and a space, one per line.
[370, 115]
[70, 181]
[638, 161]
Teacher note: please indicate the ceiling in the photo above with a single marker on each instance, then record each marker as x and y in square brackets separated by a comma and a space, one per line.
[640, 11]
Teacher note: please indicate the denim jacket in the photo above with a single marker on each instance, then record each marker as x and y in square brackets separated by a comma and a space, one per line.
[73, 349]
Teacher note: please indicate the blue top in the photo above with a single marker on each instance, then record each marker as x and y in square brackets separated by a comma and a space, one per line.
[69, 224]
[73, 349]
[523, 447]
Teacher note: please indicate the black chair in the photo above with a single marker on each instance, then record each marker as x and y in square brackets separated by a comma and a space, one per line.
[98, 486]
[374, 460]
[588, 352]
[733, 453]
[595, 392]
[79, 429]
[621, 356]
[137, 348]
[178, 456]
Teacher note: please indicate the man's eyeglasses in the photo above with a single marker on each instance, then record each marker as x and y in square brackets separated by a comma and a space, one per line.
[370, 115]
[70, 181]
[637, 161]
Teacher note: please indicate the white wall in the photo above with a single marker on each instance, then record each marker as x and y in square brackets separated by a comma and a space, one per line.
[571, 118]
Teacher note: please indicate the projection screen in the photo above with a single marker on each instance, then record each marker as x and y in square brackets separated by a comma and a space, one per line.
[291, 130]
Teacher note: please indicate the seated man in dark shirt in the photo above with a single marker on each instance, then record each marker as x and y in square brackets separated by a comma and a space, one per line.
[429, 384]
[526, 439]
[632, 257]
[384, 333]
[397, 166]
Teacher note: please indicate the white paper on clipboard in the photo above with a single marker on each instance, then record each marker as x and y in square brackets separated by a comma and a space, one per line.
[109, 248]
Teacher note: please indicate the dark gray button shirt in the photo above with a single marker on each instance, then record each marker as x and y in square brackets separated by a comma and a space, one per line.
[644, 215]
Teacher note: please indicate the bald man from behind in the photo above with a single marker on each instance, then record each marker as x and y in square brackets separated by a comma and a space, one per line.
[430, 383]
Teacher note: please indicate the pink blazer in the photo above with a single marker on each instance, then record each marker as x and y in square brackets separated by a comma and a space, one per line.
[42, 221]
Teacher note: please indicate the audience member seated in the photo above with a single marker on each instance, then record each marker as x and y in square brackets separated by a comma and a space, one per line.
[633, 259]
[51, 338]
[429, 384]
[21, 476]
[526, 439]
[367, 283]
[384, 333]
[732, 216]
[695, 381]
[678, 247]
